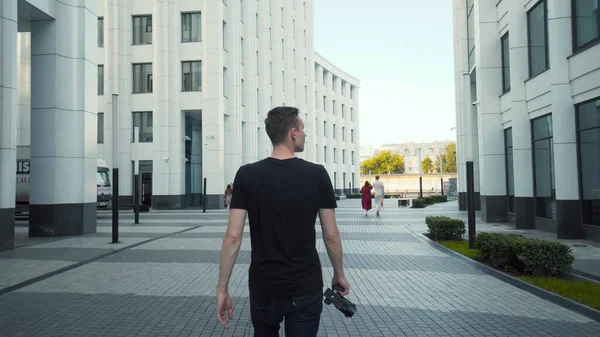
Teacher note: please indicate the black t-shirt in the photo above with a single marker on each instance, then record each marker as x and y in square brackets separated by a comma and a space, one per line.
[283, 198]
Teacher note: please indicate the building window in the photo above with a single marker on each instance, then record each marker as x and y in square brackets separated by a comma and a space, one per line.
[257, 64]
[588, 143]
[191, 75]
[344, 157]
[101, 80]
[224, 36]
[225, 82]
[537, 28]
[510, 176]
[306, 94]
[142, 29]
[324, 103]
[325, 154]
[504, 42]
[242, 50]
[191, 27]
[334, 155]
[352, 157]
[343, 133]
[100, 32]
[471, 33]
[142, 78]
[256, 24]
[143, 119]
[324, 128]
[100, 128]
[334, 133]
[352, 135]
[586, 23]
[543, 171]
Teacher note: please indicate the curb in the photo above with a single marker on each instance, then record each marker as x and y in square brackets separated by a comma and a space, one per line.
[543, 293]
[42, 277]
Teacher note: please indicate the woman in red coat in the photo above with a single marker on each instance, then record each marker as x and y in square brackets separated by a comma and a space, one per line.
[366, 197]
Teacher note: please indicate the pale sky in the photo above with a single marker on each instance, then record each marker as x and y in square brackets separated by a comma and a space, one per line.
[402, 52]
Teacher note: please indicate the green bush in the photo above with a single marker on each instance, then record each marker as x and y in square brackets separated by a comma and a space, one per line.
[439, 198]
[353, 196]
[443, 228]
[418, 203]
[517, 254]
[428, 200]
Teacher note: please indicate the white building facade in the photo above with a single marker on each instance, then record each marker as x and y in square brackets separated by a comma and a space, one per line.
[219, 65]
[414, 153]
[528, 112]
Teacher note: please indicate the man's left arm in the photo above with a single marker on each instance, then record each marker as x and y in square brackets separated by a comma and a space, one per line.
[231, 246]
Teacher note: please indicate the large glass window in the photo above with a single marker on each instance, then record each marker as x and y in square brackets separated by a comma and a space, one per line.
[142, 78]
[100, 127]
[100, 32]
[510, 175]
[192, 75]
[142, 29]
[142, 119]
[586, 22]
[543, 162]
[588, 125]
[537, 28]
[191, 27]
[471, 33]
[101, 80]
[505, 63]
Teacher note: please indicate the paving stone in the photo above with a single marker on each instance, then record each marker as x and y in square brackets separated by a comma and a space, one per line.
[401, 285]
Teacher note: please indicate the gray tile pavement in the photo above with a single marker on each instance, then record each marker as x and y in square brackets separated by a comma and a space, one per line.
[402, 287]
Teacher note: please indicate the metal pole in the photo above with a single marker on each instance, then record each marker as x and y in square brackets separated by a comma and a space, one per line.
[442, 172]
[471, 204]
[136, 174]
[204, 197]
[420, 176]
[115, 170]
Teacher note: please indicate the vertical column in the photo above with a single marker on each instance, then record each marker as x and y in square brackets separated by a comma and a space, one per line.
[169, 174]
[8, 121]
[118, 74]
[521, 129]
[568, 212]
[212, 113]
[24, 73]
[489, 87]
[461, 66]
[64, 122]
[234, 110]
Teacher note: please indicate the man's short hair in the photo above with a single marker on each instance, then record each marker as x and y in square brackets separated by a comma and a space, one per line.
[376, 177]
[279, 121]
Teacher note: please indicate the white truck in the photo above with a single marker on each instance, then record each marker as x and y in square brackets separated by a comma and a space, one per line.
[104, 188]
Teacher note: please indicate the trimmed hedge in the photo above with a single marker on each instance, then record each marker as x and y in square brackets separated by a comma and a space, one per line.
[517, 254]
[354, 196]
[418, 203]
[443, 228]
[439, 198]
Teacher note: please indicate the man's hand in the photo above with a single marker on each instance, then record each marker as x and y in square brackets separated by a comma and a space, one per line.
[224, 308]
[341, 280]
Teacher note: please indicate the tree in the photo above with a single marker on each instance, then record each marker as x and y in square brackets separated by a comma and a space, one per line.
[383, 163]
[449, 158]
[427, 165]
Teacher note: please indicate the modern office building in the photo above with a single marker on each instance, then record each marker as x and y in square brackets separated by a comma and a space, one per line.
[528, 112]
[219, 65]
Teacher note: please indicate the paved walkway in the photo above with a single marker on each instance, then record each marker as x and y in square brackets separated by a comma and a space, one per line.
[165, 285]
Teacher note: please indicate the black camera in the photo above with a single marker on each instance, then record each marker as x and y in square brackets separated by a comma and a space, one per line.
[340, 302]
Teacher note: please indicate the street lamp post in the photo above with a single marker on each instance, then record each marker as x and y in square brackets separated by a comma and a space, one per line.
[442, 171]
[469, 163]
[420, 175]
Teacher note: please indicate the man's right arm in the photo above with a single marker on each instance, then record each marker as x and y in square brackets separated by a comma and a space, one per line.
[330, 231]
[332, 239]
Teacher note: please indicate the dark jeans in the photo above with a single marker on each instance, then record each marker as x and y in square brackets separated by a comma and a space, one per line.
[302, 315]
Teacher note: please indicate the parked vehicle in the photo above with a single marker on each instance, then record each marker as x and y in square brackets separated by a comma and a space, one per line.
[104, 188]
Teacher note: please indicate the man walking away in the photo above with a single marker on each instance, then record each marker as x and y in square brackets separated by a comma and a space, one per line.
[378, 186]
[282, 196]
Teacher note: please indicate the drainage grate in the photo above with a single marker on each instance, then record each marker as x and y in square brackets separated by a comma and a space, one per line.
[578, 245]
